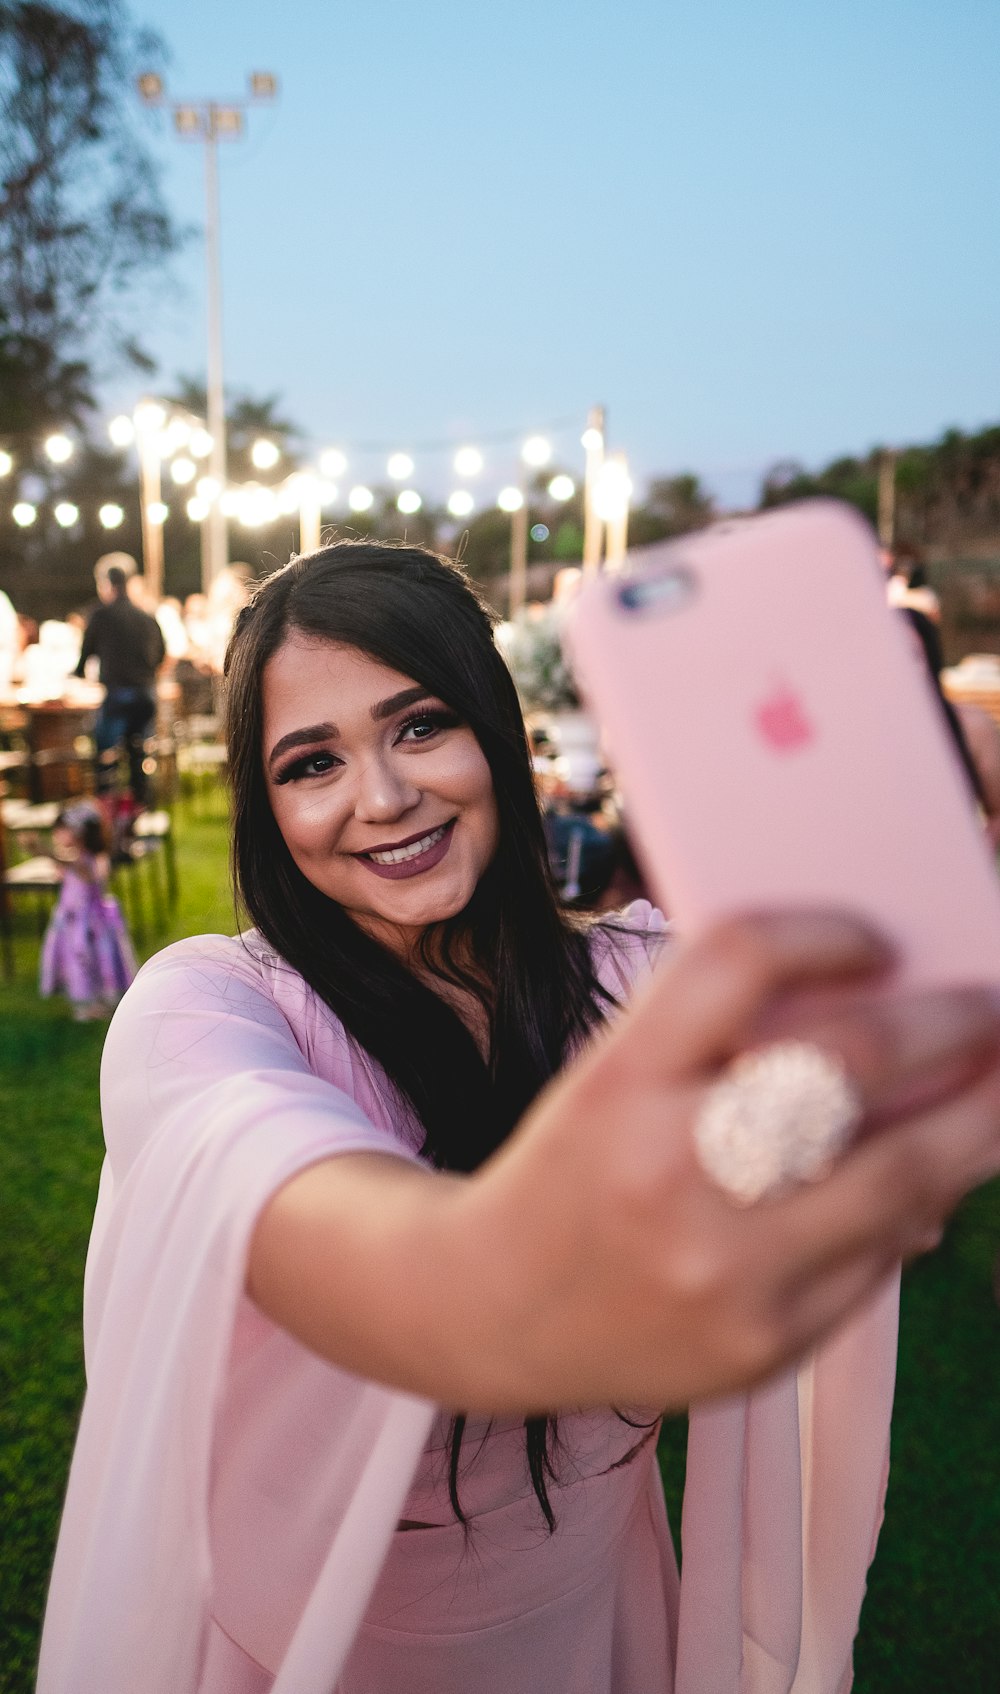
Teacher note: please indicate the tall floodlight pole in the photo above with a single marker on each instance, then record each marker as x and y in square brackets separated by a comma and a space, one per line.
[212, 121]
[612, 494]
[215, 537]
[887, 497]
[149, 416]
[593, 524]
[518, 556]
[535, 454]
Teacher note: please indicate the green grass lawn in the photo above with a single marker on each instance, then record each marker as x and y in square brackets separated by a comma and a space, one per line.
[932, 1618]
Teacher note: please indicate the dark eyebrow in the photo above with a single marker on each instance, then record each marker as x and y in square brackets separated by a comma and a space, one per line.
[398, 702]
[302, 738]
[329, 732]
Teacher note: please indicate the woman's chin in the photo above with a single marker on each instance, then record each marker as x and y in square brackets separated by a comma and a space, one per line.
[408, 915]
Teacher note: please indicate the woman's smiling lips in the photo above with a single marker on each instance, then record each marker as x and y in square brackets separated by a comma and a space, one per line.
[410, 857]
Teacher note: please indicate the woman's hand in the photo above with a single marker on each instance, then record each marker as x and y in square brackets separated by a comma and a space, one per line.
[650, 1285]
[592, 1261]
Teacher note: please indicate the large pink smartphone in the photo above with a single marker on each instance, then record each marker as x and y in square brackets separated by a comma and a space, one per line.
[777, 742]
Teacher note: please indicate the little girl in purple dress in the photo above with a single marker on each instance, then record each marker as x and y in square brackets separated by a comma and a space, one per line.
[86, 954]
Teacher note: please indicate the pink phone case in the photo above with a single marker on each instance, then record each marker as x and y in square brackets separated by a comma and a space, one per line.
[777, 741]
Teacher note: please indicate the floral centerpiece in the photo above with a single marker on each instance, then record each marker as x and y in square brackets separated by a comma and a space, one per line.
[531, 643]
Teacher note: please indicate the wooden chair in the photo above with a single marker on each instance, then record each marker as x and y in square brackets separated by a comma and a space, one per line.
[15, 769]
[969, 694]
[62, 772]
[22, 819]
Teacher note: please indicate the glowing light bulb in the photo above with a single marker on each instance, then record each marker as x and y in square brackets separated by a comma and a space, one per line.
[562, 488]
[536, 451]
[24, 514]
[400, 466]
[257, 506]
[121, 430]
[409, 501]
[59, 448]
[157, 512]
[150, 417]
[510, 499]
[207, 488]
[468, 461]
[197, 508]
[265, 454]
[200, 444]
[460, 503]
[66, 514]
[332, 463]
[111, 515]
[6, 464]
[592, 440]
[183, 470]
[360, 498]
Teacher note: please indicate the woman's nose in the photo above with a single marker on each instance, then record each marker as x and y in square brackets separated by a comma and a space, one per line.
[384, 791]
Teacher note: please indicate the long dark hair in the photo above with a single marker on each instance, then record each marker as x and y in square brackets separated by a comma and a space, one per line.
[532, 968]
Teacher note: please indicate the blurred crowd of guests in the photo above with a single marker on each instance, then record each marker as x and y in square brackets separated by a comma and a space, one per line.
[41, 659]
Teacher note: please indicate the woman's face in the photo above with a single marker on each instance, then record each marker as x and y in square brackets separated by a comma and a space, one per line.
[383, 796]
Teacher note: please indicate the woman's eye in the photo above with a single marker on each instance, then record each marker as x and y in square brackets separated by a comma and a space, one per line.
[425, 724]
[314, 764]
[420, 728]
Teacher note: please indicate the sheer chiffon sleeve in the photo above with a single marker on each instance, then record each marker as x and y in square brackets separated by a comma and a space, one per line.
[209, 1107]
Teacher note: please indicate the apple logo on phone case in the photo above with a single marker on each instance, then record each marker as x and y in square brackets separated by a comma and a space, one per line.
[783, 721]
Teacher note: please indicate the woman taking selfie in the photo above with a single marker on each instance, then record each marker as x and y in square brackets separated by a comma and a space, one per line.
[400, 1202]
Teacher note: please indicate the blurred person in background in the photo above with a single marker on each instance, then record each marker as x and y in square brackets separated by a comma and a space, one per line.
[123, 562]
[197, 623]
[129, 648]
[908, 584]
[170, 617]
[86, 953]
[975, 734]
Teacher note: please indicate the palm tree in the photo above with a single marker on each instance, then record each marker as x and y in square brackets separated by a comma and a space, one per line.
[248, 419]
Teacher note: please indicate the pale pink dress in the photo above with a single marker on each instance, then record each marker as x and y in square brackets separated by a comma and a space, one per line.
[229, 1523]
[86, 953]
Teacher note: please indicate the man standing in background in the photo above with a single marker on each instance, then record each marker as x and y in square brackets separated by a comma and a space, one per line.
[129, 645]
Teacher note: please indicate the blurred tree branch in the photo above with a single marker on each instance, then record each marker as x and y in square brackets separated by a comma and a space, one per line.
[81, 217]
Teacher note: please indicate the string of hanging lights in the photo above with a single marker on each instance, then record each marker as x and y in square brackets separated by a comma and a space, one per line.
[172, 446]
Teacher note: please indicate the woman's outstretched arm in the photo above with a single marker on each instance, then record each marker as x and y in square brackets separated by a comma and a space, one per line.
[591, 1261]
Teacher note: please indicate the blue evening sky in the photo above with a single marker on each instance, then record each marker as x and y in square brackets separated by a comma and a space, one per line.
[752, 228]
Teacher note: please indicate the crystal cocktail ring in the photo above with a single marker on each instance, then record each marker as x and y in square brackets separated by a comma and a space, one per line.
[778, 1115]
